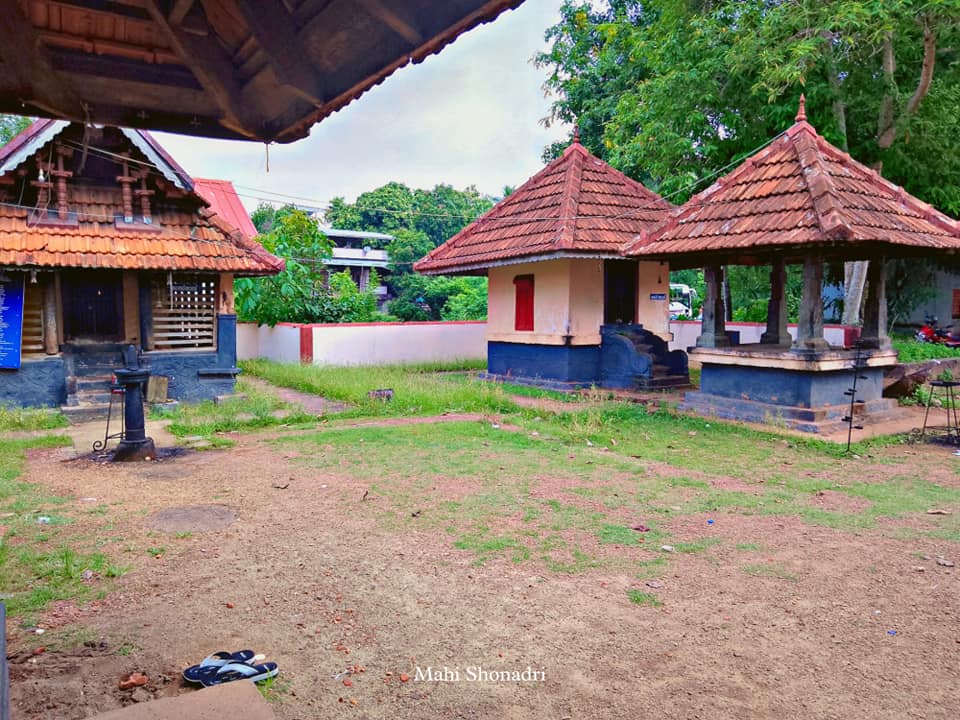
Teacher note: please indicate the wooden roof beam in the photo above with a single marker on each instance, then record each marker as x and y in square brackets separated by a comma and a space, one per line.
[29, 63]
[275, 30]
[179, 11]
[213, 69]
[389, 17]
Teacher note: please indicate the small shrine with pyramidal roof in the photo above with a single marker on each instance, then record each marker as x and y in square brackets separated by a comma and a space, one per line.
[802, 201]
[566, 308]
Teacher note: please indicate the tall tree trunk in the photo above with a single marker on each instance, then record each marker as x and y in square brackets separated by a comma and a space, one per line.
[855, 274]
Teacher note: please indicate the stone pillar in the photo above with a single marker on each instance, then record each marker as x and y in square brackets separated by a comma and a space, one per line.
[874, 333]
[713, 331]
[810, 323]
[776, 333]
[51, 339]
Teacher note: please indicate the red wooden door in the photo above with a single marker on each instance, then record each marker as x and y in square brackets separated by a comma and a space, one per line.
[523, 318]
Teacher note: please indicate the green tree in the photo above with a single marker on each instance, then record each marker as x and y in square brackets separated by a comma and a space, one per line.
[673, 92]
[419, 220]
[470, 303]
[11, 126]
[299, 293]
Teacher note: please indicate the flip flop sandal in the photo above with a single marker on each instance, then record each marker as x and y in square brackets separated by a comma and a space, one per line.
[240, 671]
[214, 662]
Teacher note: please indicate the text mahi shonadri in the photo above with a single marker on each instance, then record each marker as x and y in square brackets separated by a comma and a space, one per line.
[477, 673]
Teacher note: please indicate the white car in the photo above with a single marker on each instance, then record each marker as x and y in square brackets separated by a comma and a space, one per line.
[677, 309]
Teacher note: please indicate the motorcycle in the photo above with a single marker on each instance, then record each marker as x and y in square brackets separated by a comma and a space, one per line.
[931, 332]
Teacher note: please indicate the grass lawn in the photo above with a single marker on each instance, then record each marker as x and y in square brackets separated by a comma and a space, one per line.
[644, 558]
[40, 561]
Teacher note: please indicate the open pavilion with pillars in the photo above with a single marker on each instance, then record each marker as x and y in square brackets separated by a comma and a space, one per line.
[799, 200]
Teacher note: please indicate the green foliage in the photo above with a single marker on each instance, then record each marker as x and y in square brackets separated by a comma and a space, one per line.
[303, 292]
[420, 297]
[28, 419]
[417, 390]
[419, 220]
[252, 409]
[638, 597]
[438, 214]
[43, 567]
[468, 304]
[671, 92]
[910, 351]
[11, 126]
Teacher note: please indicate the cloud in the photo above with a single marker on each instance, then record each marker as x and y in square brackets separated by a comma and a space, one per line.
[467, 116]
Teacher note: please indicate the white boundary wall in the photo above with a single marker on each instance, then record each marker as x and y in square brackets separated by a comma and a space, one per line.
[364, 343]
[280, 343]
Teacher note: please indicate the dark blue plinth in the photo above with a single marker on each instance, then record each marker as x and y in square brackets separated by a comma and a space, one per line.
[38, 383]
[808, 400]
[577, 364]
[797, 388]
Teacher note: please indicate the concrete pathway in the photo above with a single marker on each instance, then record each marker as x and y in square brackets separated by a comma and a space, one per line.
[313, 404]
[86, 433]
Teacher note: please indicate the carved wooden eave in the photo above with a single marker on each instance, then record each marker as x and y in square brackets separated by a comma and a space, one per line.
[242, 69]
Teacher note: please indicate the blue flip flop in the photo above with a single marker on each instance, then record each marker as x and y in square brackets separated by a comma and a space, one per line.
[240, 671]
[214, 662]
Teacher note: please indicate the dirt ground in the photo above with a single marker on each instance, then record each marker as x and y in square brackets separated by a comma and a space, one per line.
[846, 627]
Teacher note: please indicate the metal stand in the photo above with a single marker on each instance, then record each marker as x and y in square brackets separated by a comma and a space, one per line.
[949, 400]
[116, 391]
[859, 363]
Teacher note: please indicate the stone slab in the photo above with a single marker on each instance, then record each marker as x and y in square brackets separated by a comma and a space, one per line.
[239, 699]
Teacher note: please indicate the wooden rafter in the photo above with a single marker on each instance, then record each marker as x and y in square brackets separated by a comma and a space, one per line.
[28, 61]
[274, 28]
[391, 19]
[213, 69]
[179, 11]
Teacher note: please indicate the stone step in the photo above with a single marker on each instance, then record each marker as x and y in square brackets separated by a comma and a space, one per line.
[659, 382]
[76, 414]
[94, 382]
[95, 369]
[91, 397]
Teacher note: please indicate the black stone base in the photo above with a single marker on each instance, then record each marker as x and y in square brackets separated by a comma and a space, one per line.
[822, 420]
[134, 451]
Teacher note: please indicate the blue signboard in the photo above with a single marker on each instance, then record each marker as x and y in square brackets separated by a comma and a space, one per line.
[658, 296]
[11, 320]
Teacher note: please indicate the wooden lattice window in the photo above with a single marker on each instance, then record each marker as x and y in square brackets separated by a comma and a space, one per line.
[956, 304]
[184, 313]
[31, 342]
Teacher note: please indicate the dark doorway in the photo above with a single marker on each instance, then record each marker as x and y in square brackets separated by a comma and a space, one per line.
[93, 305]
[619, 292]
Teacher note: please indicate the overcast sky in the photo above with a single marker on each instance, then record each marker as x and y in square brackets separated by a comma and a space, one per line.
[467, 116]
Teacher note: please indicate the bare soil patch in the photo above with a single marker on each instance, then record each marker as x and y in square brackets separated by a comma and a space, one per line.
[777, 618]
[193, 518]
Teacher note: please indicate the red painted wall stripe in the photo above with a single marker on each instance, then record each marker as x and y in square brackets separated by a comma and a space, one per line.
[306, 345]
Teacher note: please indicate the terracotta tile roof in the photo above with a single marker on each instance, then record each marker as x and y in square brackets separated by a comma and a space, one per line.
[184, 234]
[577, 204]
[798, 192]
[223, 200]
